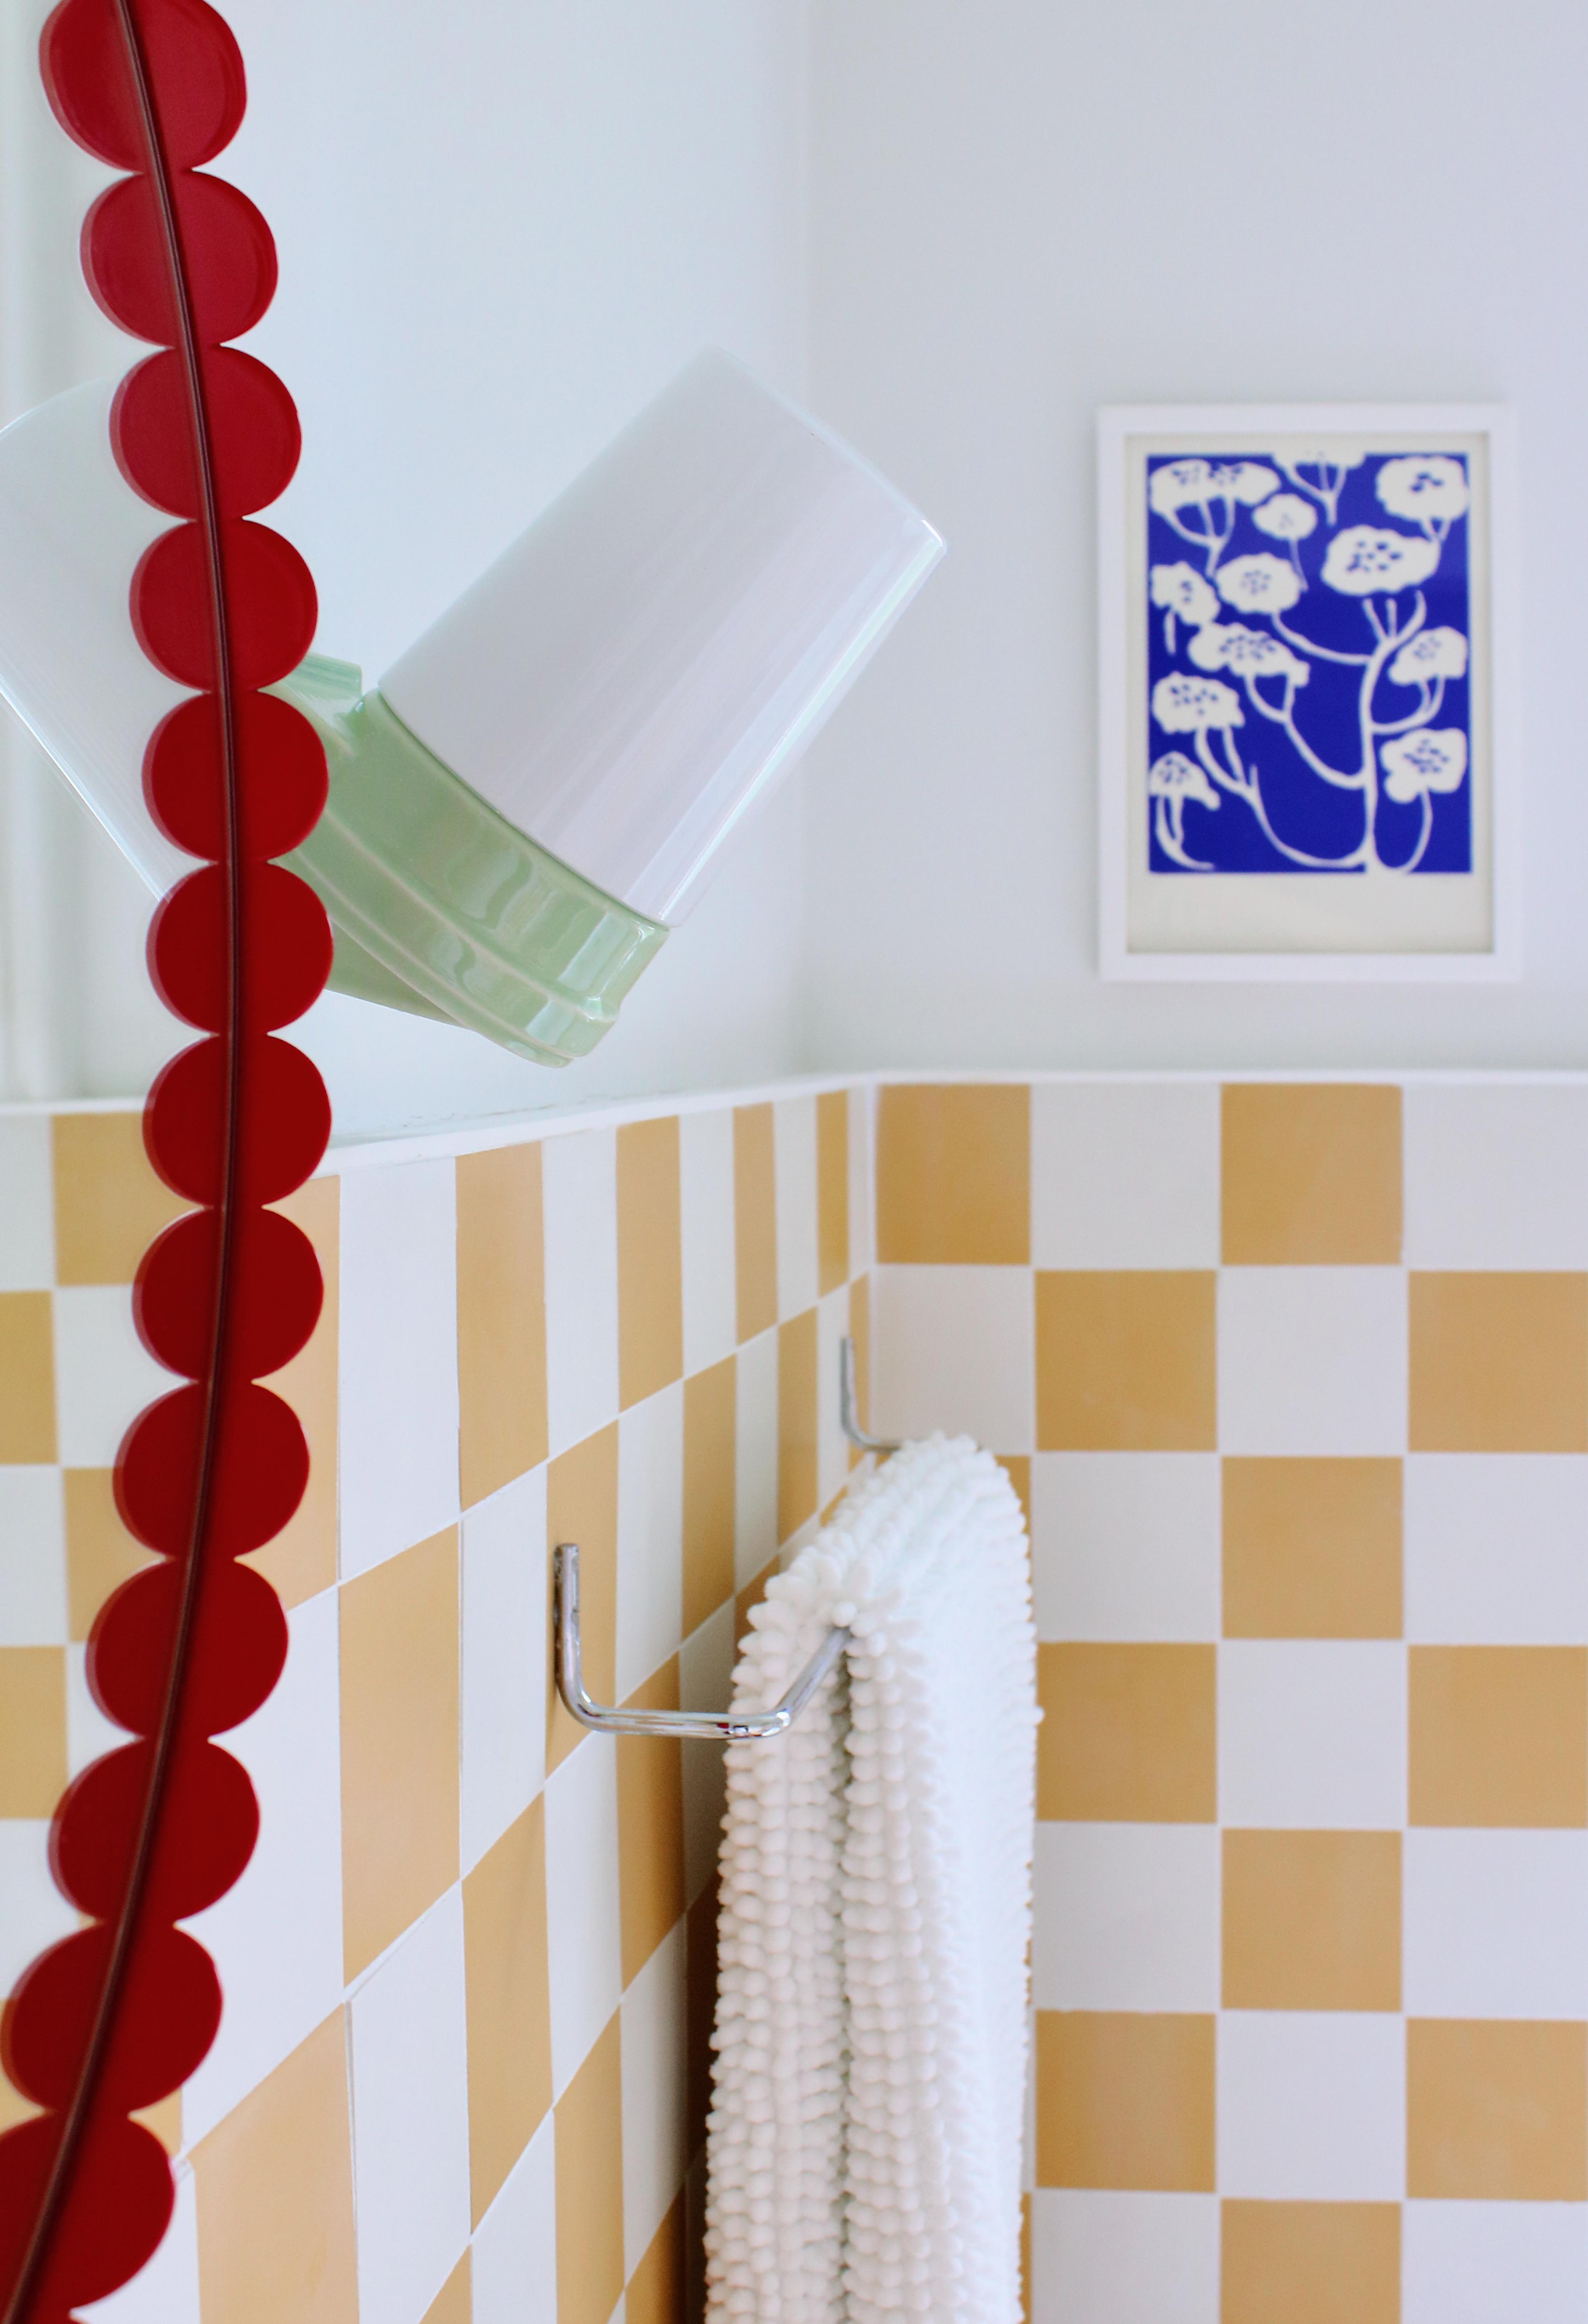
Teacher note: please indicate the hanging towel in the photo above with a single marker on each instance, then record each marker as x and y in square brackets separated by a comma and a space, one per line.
[865, 2133]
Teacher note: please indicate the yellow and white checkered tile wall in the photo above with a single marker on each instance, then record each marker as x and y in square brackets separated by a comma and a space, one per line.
[469, 1974]
[1301, 1374]
[1294, 1382]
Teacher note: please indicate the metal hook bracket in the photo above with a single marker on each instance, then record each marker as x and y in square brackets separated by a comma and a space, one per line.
[848, 1413]
[712, 1727]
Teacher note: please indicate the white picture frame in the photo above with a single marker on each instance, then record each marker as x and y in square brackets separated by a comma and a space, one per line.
[1413, 923]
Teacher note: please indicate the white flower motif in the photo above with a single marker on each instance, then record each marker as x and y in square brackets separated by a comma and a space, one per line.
[1189, 706]
[1247, 481]
[1259, 584]
[1182, 591]
[1429, 490]
[1433, 759]
[1287, 517]
[1176, 777]
[1180, 484]
[1362, 559]
[1432, 653]
[1249, 653]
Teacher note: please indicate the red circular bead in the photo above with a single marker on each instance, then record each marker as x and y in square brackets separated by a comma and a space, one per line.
[280, 776]
[284, 1120]
[271, 608]
[251, 425]
[273, 1300]
[118, 2202]
[168, 2011]
[229, 259]
[207, 1825]
[259, 1470]
[286, 948]
[235, 1650]
[194, 68]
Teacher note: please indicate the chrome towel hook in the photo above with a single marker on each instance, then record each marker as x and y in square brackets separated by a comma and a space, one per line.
[712, 1727]
[847, 1413]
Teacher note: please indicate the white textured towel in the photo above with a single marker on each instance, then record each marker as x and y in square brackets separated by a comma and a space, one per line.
[865, 2131]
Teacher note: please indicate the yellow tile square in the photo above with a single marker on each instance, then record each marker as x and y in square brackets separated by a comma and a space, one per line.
[454, 2303]
[589, 2137]
[1128, 1734]
[656, 2290]
[797, 1423]
[832, 1189]
[275, 2195]
[755, 1219]
[109, 1204]
[1312, 1920]
[1499, 1363]
[581, 1506]
[1017, 1467]
[509, 2002]
[1311, 1175]
[710, 1411]
[301, 1561]
[1498, 1736]
[500, 1319]
[100, 1553]
[860, 1332]
[751, 1596]
[32, 1729]
[400, 1740]
[650, 1259]
[1126, 1361]
[699, 2012]
[1124, 2101]
[27, 1378]
[1309, 2262]
[1312, 1549]
[649, 1828]
[1496, 2111]
[953, 1175]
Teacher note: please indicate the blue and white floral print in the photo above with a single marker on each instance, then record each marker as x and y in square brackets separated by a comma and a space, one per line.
[1307, 663]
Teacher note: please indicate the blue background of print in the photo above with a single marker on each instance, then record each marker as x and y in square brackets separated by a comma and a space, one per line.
[1302, 809]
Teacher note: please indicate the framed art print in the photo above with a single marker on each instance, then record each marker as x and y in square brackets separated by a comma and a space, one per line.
[1308, 756]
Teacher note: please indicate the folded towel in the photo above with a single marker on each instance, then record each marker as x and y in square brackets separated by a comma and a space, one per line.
[865, 2139]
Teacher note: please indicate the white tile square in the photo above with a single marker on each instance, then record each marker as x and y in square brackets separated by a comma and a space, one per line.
[862, 1224]
[705, 1682]
[165, 2291]
[653, 2044]
[34, 1912]
[705, 1195]
[1124, 1174]
[1496, 1924]
[1126, 1546]
[1497, 1548]
[1496, 1176]
[1311, 1359]
[794, 1177]
[755, 1459]
[1494, 2263]
[650, 1535]
[502, 1699]
[1312, 2108]
[1127, 1917]
[276, 1937]
[104, 1374]
[1102, 2257]
[584, 1960]
[90, 1735]
[397, 1427]
[832, 1446]
[580, 1190]
[955, 1348]
[27, 1207]
[514, 2265]
[32, 1558]
[1312, 1734]
[411, 2183]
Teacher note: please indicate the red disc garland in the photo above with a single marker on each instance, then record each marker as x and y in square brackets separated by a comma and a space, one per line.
[118, 2016]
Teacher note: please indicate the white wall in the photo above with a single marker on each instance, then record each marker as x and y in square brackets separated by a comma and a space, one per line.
[1021, 211]
[502, 224]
